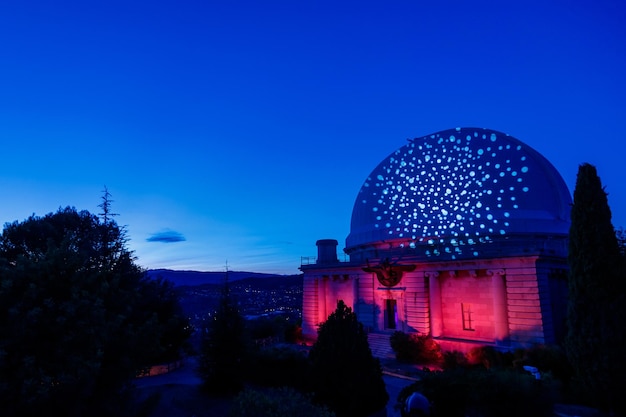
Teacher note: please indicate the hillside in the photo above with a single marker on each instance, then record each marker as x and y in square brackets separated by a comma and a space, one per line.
[194, 278]
[256, 294]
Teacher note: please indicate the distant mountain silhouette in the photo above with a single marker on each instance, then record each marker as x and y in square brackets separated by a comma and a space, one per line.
[194, 278]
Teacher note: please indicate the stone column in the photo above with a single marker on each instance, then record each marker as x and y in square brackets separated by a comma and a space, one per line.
[310, 307]
[436, 319]
[500, 319]
[355, 296]
[323, 286]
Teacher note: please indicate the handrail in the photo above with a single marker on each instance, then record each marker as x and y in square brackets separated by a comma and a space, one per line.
[312, 260]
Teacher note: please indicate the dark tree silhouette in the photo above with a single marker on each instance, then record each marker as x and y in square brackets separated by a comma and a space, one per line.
[78, 317]
[345, 375]
[106, 215]
[224, 348]
[621, 241]
[597, 290]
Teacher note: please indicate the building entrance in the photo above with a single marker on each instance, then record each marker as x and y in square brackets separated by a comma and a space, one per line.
[391, 314]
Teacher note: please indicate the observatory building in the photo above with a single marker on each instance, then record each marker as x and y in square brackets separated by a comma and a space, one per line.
[462, 235]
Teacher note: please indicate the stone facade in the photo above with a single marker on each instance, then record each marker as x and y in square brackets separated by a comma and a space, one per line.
[508, 303]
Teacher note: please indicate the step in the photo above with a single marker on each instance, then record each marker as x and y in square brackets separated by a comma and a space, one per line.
[379, 345]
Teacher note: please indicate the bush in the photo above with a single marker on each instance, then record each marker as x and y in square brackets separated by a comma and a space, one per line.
[415, 348]
[264, 327]
[282, 402]
[483, 392]
[454, 360]
[489, 357]
[550, 359]
[293, 333]
[280, 365]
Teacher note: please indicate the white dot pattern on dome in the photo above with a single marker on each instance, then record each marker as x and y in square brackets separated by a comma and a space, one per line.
[448, 191]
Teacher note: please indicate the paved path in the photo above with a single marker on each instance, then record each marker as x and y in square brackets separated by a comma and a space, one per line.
[186, 375]
[395, 383]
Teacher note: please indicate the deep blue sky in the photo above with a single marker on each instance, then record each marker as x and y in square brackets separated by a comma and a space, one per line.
[246, 128]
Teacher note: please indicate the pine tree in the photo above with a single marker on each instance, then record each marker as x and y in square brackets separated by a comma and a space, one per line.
[596, 332]
[346, 377]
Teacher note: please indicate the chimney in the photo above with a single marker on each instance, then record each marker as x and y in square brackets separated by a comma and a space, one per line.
[327, 251]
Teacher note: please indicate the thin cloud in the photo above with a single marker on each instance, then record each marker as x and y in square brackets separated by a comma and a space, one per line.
[168, 236]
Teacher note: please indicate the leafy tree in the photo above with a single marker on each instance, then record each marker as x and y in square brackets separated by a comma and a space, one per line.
[597, 294]
[78, 317]
[224, 348]
[161, 299]
[345, 375]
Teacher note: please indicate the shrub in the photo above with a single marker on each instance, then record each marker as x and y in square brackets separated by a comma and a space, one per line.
[401, 346]
[280, 365]
[548, 358]
[415, 348]
[489, 357]
[454, 359]
[293, 333]
[264, 327]
[282, 402]
[483, 392]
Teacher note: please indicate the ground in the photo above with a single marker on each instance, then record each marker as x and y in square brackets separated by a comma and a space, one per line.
[178, 394]
[179, 400]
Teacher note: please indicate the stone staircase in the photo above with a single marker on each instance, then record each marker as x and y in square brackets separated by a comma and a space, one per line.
[379, 344]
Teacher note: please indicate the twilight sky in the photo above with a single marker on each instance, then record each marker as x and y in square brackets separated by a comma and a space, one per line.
[241, 131]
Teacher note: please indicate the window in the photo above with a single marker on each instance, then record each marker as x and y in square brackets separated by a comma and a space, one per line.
[466, 311]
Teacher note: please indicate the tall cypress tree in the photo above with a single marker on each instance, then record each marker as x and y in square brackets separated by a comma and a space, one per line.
[596, 330]
[345, 375]
[224, 347]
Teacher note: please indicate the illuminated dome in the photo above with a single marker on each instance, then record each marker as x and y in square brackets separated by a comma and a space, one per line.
[456, 193]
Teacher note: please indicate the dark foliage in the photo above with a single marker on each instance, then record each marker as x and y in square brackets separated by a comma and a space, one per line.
[293, 332]
[345, 375]
[415, 348]
[548, 359]
[279, 328]
[280, 365]
[597, 295]
[482, 392]
[489, 357]
[78, 318]
[486, 357]
[225, 348]
[453, 360]
[267, 327]
[279, 402]
[620, 233]
[479, 391]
